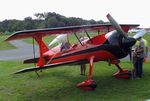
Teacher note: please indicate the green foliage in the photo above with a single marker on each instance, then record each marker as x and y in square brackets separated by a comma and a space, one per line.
[11, 25]
[3, 44]
[59, 84]
[147, 37]
[43, 20]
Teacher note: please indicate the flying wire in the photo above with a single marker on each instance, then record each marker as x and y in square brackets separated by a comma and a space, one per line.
[34, 55]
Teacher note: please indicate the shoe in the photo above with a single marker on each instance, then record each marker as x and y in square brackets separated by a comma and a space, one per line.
[137, 78]
[82, 74]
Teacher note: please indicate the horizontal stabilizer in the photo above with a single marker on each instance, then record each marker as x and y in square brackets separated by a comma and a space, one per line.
[50, 66]
[33, 60]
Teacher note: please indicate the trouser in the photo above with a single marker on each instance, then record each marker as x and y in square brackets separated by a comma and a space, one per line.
[138, 65]
[83, 69]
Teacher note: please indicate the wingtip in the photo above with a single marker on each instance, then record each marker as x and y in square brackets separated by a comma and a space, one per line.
[18, 72]
[6, 39]
[25, 70]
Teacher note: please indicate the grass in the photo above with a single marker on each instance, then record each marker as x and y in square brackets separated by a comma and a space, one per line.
[48, 39]
[3, 44]
[59, 84]
[147, 37]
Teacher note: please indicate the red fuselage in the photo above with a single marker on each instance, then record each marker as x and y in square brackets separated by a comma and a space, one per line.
[99, 47]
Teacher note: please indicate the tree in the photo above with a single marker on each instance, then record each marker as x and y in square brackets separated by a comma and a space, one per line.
[44, 20]
[39, 16]
[29, 23]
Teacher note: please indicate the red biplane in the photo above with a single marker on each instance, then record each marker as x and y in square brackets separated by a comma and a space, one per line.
[109, 46]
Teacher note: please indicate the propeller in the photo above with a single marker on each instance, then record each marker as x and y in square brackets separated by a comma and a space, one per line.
[117, 26]
[125, 41]
[140, 34]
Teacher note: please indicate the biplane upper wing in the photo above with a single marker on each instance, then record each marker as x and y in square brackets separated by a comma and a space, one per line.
[67, 30]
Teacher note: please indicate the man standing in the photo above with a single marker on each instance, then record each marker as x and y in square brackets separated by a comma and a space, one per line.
[138, 57]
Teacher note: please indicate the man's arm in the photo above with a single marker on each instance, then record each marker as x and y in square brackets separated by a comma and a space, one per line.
[140, 50]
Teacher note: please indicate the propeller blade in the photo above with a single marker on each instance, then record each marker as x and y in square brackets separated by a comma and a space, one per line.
[140, 34]
[116, 26]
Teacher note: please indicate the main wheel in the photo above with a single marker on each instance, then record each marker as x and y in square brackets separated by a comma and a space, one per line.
[93, 84]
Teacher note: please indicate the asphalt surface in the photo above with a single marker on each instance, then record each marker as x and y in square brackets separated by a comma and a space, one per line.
[25, 51]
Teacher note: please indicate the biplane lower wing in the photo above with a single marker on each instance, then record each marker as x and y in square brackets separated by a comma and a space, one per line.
[50, 66]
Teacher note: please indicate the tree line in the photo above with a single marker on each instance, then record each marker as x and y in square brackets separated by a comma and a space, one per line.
[44, 20]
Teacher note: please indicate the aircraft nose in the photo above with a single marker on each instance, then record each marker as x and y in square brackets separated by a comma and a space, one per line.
[129, 42]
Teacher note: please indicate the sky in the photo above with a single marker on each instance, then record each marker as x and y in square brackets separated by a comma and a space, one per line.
[123, 11]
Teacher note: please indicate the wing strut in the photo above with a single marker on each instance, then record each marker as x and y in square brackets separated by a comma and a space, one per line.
[78, 39]
[33, 49]
[88, 35]
[42, 49]
[34, 56]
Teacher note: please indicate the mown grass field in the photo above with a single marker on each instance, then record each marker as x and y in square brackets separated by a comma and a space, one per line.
[59, 84]
[3, 44]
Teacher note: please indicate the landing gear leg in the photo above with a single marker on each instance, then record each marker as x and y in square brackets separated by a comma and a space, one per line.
[119, 68]
[122, 73]
[88, 84]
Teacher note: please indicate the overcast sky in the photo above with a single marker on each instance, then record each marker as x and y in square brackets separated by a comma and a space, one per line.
[124, 11]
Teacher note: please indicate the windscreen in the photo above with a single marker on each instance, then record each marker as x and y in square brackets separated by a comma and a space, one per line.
[113, 37]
